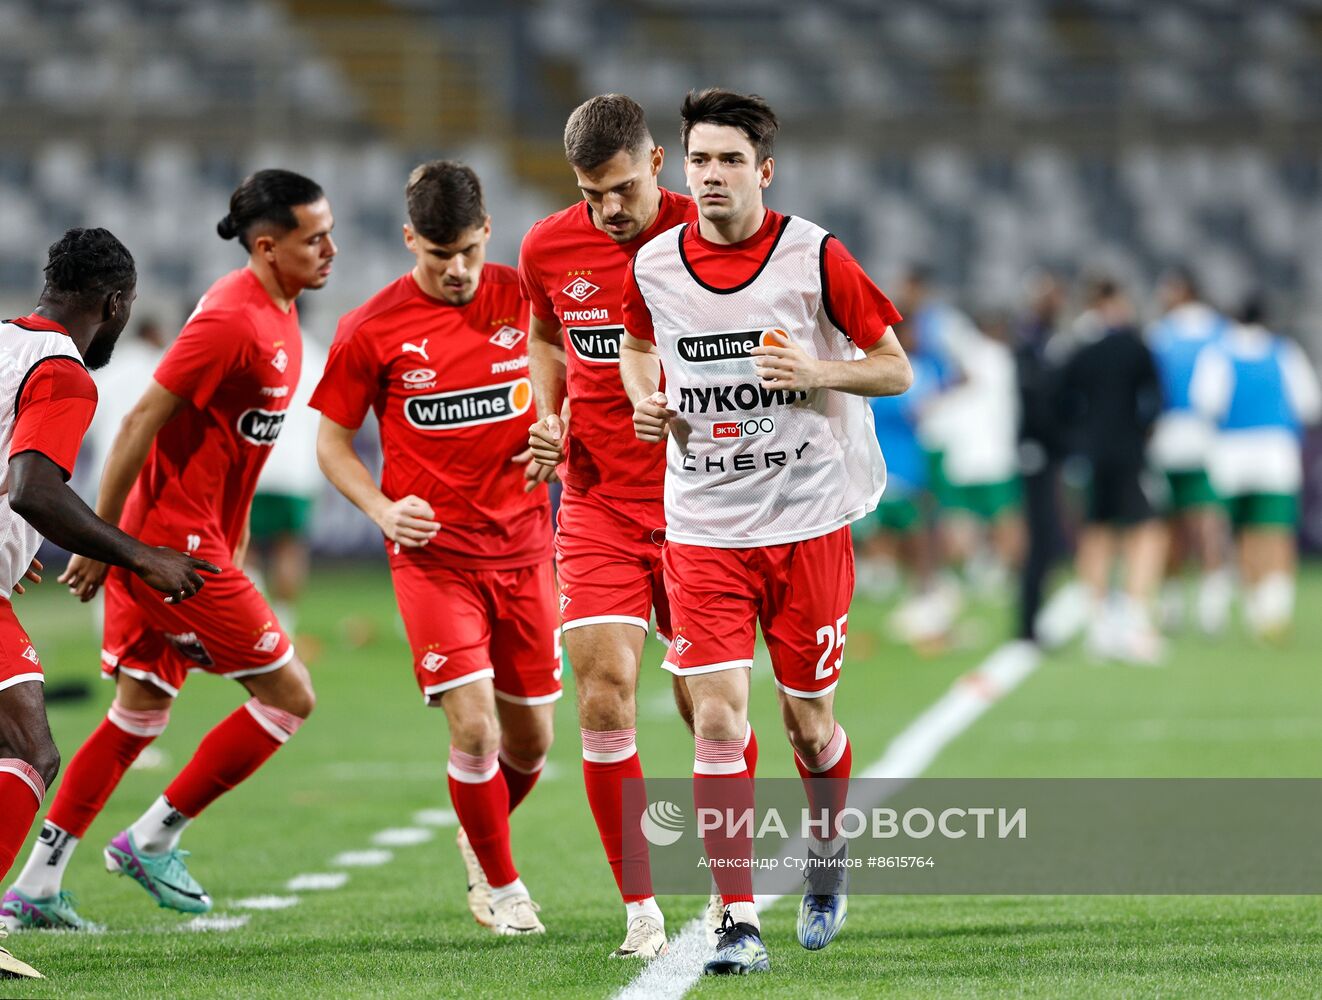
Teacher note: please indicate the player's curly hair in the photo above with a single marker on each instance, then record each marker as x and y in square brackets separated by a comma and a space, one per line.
[84, 265]
[267, 198]
[749, 113]
[602, 126]
[444, 200]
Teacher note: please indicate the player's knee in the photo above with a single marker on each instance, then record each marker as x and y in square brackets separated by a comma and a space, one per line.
[809, 733]
[717, 720]
[44, 757]
[605, 704]
[478, 734]
[302, 702]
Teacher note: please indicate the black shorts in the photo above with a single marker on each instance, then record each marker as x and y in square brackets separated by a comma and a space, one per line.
[1116, 494]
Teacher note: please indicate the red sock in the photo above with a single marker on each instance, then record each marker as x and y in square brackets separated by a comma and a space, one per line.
[100, 762]
[21, 793]
[610, 757]
[721, 782]
[750, 752]
[826, 780]
[242, 742]
[482, 802]
[520, 776]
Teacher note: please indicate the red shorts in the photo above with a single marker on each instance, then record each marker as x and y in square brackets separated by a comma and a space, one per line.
[800, 592]
[227, 629]
[467, 624]
[18, 657]
[608, 557]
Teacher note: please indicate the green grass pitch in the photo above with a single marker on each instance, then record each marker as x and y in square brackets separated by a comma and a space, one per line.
[372, 757]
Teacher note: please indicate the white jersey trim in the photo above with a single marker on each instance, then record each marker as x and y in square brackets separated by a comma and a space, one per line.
[21, 679]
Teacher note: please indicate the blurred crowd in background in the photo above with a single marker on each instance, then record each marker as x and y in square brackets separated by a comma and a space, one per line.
[1077, 176]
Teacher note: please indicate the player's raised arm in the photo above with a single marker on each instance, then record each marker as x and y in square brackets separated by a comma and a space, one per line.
[409, 521]
[884, 371]
[640, 371]
[546, 369]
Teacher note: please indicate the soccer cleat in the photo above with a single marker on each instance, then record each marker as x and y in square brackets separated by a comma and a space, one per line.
[516, 915]
[712, 918]
[738, 952]
[646, 939]
[479, 889]
[825, 905]
[165, 876]
[11, 967]
[47, 912]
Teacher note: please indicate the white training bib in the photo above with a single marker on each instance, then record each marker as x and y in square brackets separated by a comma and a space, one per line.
[21, 351]
[748, 466]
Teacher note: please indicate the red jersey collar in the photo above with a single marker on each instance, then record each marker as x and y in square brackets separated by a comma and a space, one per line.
[770, 225]
[35, 321]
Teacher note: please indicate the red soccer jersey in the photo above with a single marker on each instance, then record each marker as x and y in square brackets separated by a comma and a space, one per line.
[573, 274]
[857, 306]
[449, 385]
[235, 364]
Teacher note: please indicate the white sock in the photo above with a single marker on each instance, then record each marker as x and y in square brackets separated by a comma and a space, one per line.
[743, 913]
[159, 828]
[44, 872]
[500, 893]
[644, 908]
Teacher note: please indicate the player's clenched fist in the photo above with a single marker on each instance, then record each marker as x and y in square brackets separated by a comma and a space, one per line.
[409, 522]
[782, 363]
[651, 417]
[546, 438]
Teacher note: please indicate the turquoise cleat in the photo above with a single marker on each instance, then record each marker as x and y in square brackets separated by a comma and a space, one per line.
[56, 912]
[739, 951]
[165, 876]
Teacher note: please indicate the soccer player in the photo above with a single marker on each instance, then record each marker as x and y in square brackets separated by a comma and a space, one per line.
[441, 356]
[1260, 391]
[1111, 395]
[1179, 448]
[611, 521]
[770, 337]
[182, 472]
[90, 284]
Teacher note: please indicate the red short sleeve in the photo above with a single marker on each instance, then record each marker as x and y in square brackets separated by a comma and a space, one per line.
[637, 317]
[55, 407]
[352, 379]
[210, 347]
[853, 303]
[530, 286]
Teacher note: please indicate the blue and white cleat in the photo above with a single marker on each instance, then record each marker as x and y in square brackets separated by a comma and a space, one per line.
[739, 951]
[165, 876]
[825, 904]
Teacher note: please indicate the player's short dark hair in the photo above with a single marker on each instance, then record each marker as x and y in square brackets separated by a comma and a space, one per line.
[749, 113]
[444, 200]
[602, 126]
[267, 198]
[1255, 310]
[1182, 275]
[85, 265]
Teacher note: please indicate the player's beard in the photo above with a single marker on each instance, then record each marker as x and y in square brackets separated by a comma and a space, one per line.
[100, 350]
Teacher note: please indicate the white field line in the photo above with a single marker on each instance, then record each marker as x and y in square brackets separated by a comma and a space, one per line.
[266, 902]
[909, 754]
[370, 858]
[403, 836]
[216, 922]
[315, 881]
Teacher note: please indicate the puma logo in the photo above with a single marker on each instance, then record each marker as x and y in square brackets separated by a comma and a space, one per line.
[418, 348]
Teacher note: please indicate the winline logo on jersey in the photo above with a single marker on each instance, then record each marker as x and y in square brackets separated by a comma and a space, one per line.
[485, 404]
[711, 348]
[598, 344]
[945, 835]
[261, 426]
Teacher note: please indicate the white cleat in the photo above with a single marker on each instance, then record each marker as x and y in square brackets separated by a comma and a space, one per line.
[479, 889]
[11, 967]
[711, 919]
[646, 939]
[516, 915]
